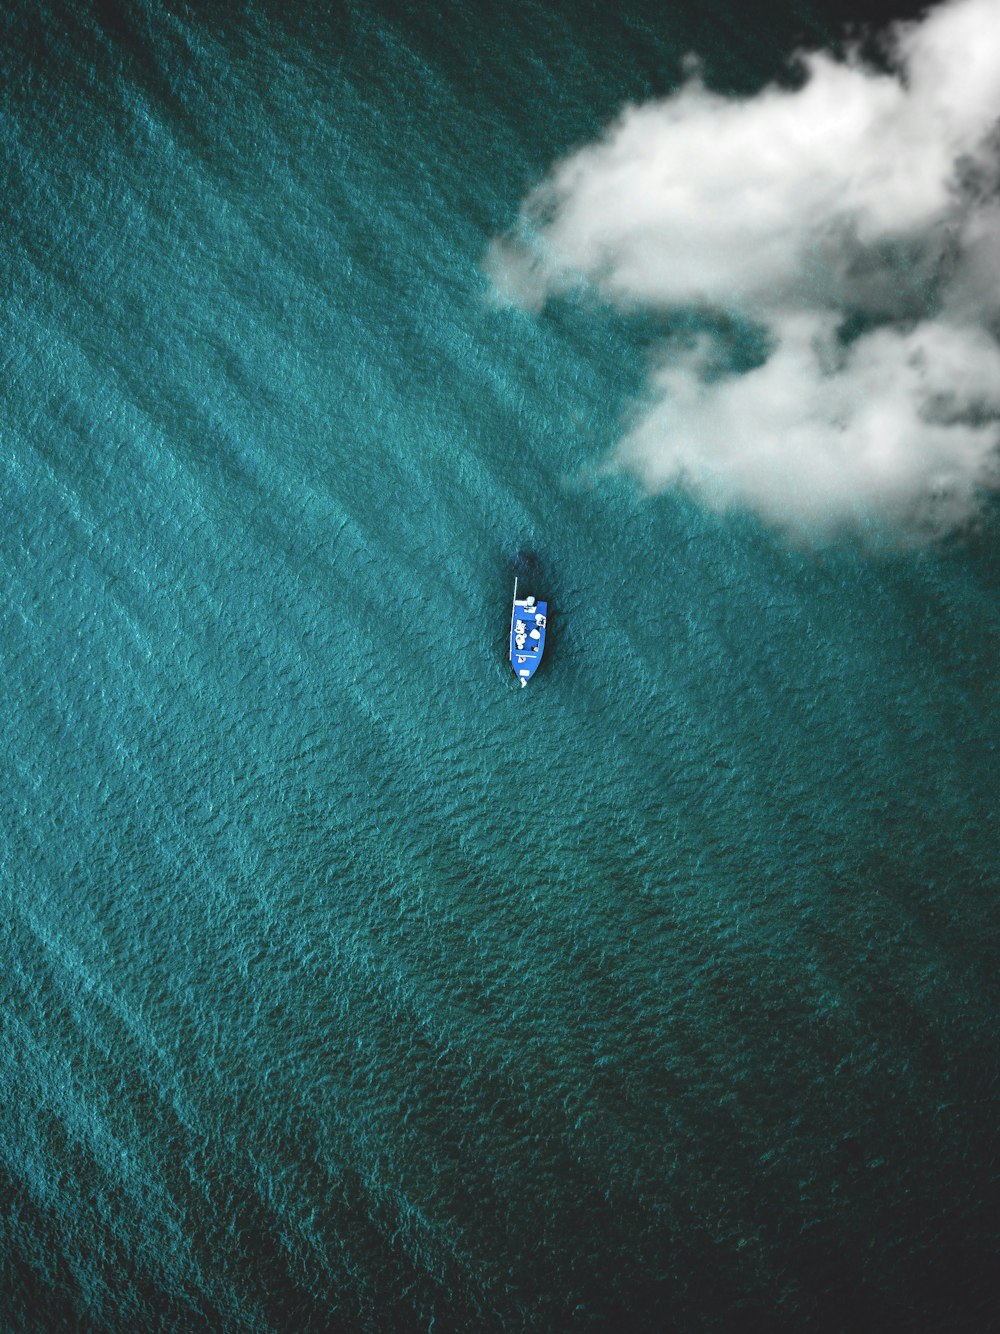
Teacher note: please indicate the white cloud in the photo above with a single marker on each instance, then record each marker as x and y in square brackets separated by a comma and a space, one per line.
[859, 193]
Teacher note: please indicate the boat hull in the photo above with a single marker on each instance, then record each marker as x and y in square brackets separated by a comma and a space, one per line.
[527, 636]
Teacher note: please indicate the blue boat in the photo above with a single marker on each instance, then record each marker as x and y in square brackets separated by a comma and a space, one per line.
[527, 636]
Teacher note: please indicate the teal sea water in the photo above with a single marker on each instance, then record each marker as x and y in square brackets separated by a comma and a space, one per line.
[345, 986]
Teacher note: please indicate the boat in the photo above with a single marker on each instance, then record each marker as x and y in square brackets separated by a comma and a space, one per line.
[527, 635]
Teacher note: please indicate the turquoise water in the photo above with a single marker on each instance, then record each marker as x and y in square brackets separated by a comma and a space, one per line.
[345, 985]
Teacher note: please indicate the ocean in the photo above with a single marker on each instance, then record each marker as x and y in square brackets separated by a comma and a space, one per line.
[345, 985]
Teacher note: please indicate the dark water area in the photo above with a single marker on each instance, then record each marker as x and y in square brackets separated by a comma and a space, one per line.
[346, 986]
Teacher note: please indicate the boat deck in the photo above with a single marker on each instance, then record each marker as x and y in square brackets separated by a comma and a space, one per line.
[527, 637]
